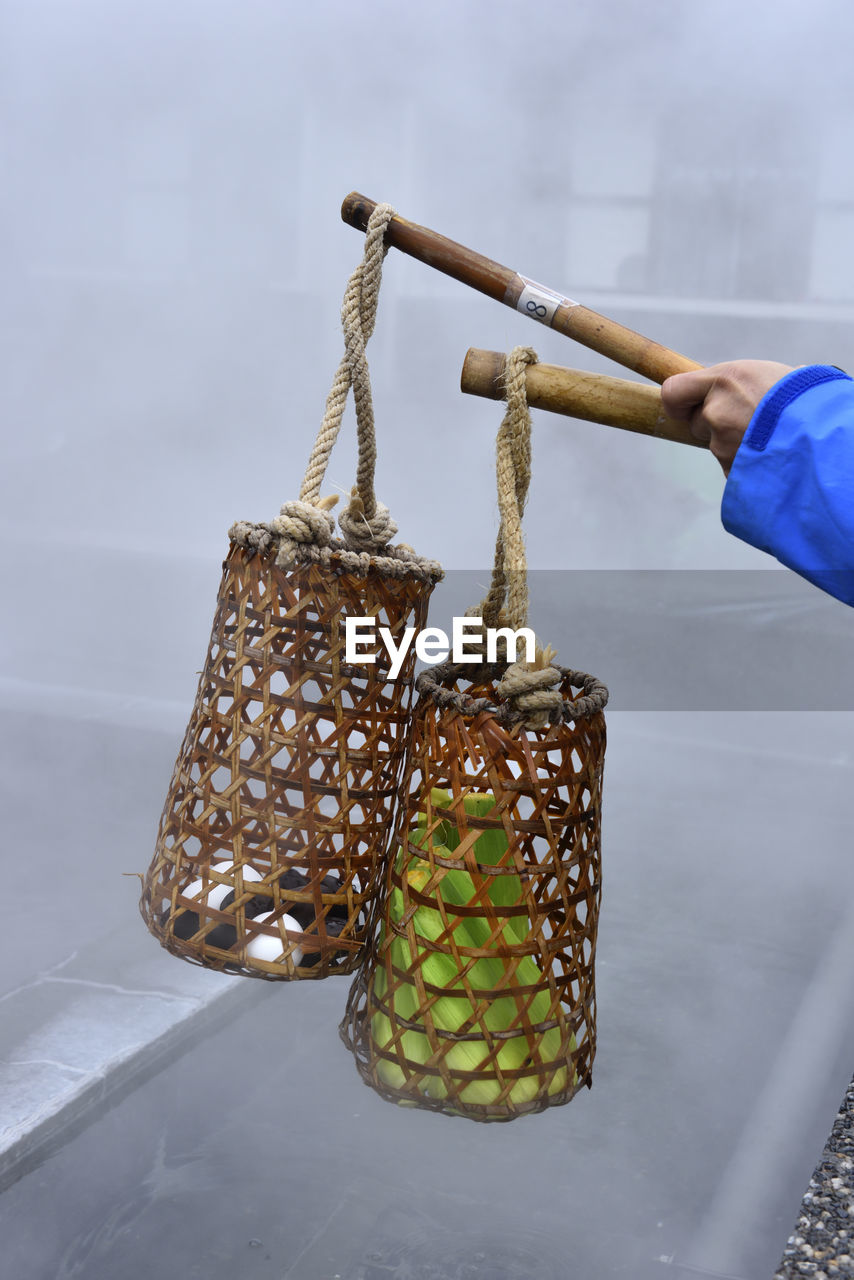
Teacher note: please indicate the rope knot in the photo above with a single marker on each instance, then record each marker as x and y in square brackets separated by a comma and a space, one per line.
[530, 689]
[531, 693]
[366, 533]
[299, 523]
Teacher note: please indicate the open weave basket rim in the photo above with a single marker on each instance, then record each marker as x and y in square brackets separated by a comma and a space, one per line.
[436, 684]
[397, 560]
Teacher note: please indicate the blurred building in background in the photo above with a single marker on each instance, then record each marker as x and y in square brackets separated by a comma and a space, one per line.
[173, 262]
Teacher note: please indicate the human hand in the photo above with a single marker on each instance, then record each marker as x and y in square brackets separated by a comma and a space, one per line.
[718, 402]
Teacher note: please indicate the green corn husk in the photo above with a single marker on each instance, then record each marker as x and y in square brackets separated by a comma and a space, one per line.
[414, 1046]
[463, 1012]
[490, 849]
[501, 1013]
[438, 968]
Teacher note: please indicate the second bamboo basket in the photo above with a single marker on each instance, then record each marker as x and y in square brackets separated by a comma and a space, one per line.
[477, 996]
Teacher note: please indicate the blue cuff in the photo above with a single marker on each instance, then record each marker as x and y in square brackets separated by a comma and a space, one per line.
[772, 404]
[791, 495]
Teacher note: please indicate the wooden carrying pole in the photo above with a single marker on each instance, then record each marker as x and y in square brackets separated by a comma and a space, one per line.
[627, 348]
[615, 402]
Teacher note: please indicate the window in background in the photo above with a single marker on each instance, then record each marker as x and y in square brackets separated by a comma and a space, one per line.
[735, 218]
[612, 160]
[741, 217]
[832, 264]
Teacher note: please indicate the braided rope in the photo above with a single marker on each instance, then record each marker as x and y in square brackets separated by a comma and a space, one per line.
[358, 317]
[529, 692]
[304, 529]
[513, 472]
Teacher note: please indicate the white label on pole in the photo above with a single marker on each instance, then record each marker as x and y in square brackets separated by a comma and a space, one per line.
[540, 303]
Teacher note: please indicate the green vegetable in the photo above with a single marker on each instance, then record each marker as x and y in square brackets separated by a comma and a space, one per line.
[462, 1012]
[414, 1046]
[490, 849]
[438, 969]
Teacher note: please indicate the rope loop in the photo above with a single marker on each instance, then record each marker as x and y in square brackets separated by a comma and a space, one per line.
[529, 692]
[508, 590]
[304, 530]
[359, 525]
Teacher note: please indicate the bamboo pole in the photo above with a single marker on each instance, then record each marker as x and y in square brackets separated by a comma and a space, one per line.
[571, 318]
[615, 402]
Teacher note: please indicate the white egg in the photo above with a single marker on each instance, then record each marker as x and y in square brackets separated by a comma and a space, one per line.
[217, 892]
[249, 873]
[263, 947]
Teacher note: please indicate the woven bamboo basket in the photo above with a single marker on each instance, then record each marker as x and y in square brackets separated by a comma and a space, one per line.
[286, 782]
[477, 997]
[277, 818]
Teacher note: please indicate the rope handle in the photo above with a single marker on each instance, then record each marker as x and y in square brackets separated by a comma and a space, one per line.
[366, 524]
[507, 598]
[529, 689]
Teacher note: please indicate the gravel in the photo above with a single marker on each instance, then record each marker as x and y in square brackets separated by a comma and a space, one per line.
[823, 1241]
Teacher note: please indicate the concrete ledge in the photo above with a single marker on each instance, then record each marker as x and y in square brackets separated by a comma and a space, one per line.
[73, 1043]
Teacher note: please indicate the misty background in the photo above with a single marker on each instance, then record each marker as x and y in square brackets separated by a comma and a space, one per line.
[173, 262]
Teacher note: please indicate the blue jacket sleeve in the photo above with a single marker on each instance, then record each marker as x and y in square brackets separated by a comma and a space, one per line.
[790, 490]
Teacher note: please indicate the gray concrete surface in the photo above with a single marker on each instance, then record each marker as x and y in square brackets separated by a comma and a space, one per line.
[88, 1029]
[725, 964]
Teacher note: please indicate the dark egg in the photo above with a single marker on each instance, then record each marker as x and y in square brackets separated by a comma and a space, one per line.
[253, 907]
[293, 881]
[184, 926]
[338, 911]
[223, 936]
[334, 926]
[187, 925]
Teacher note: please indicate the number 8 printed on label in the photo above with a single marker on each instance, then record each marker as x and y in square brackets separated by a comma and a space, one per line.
[540, 303]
